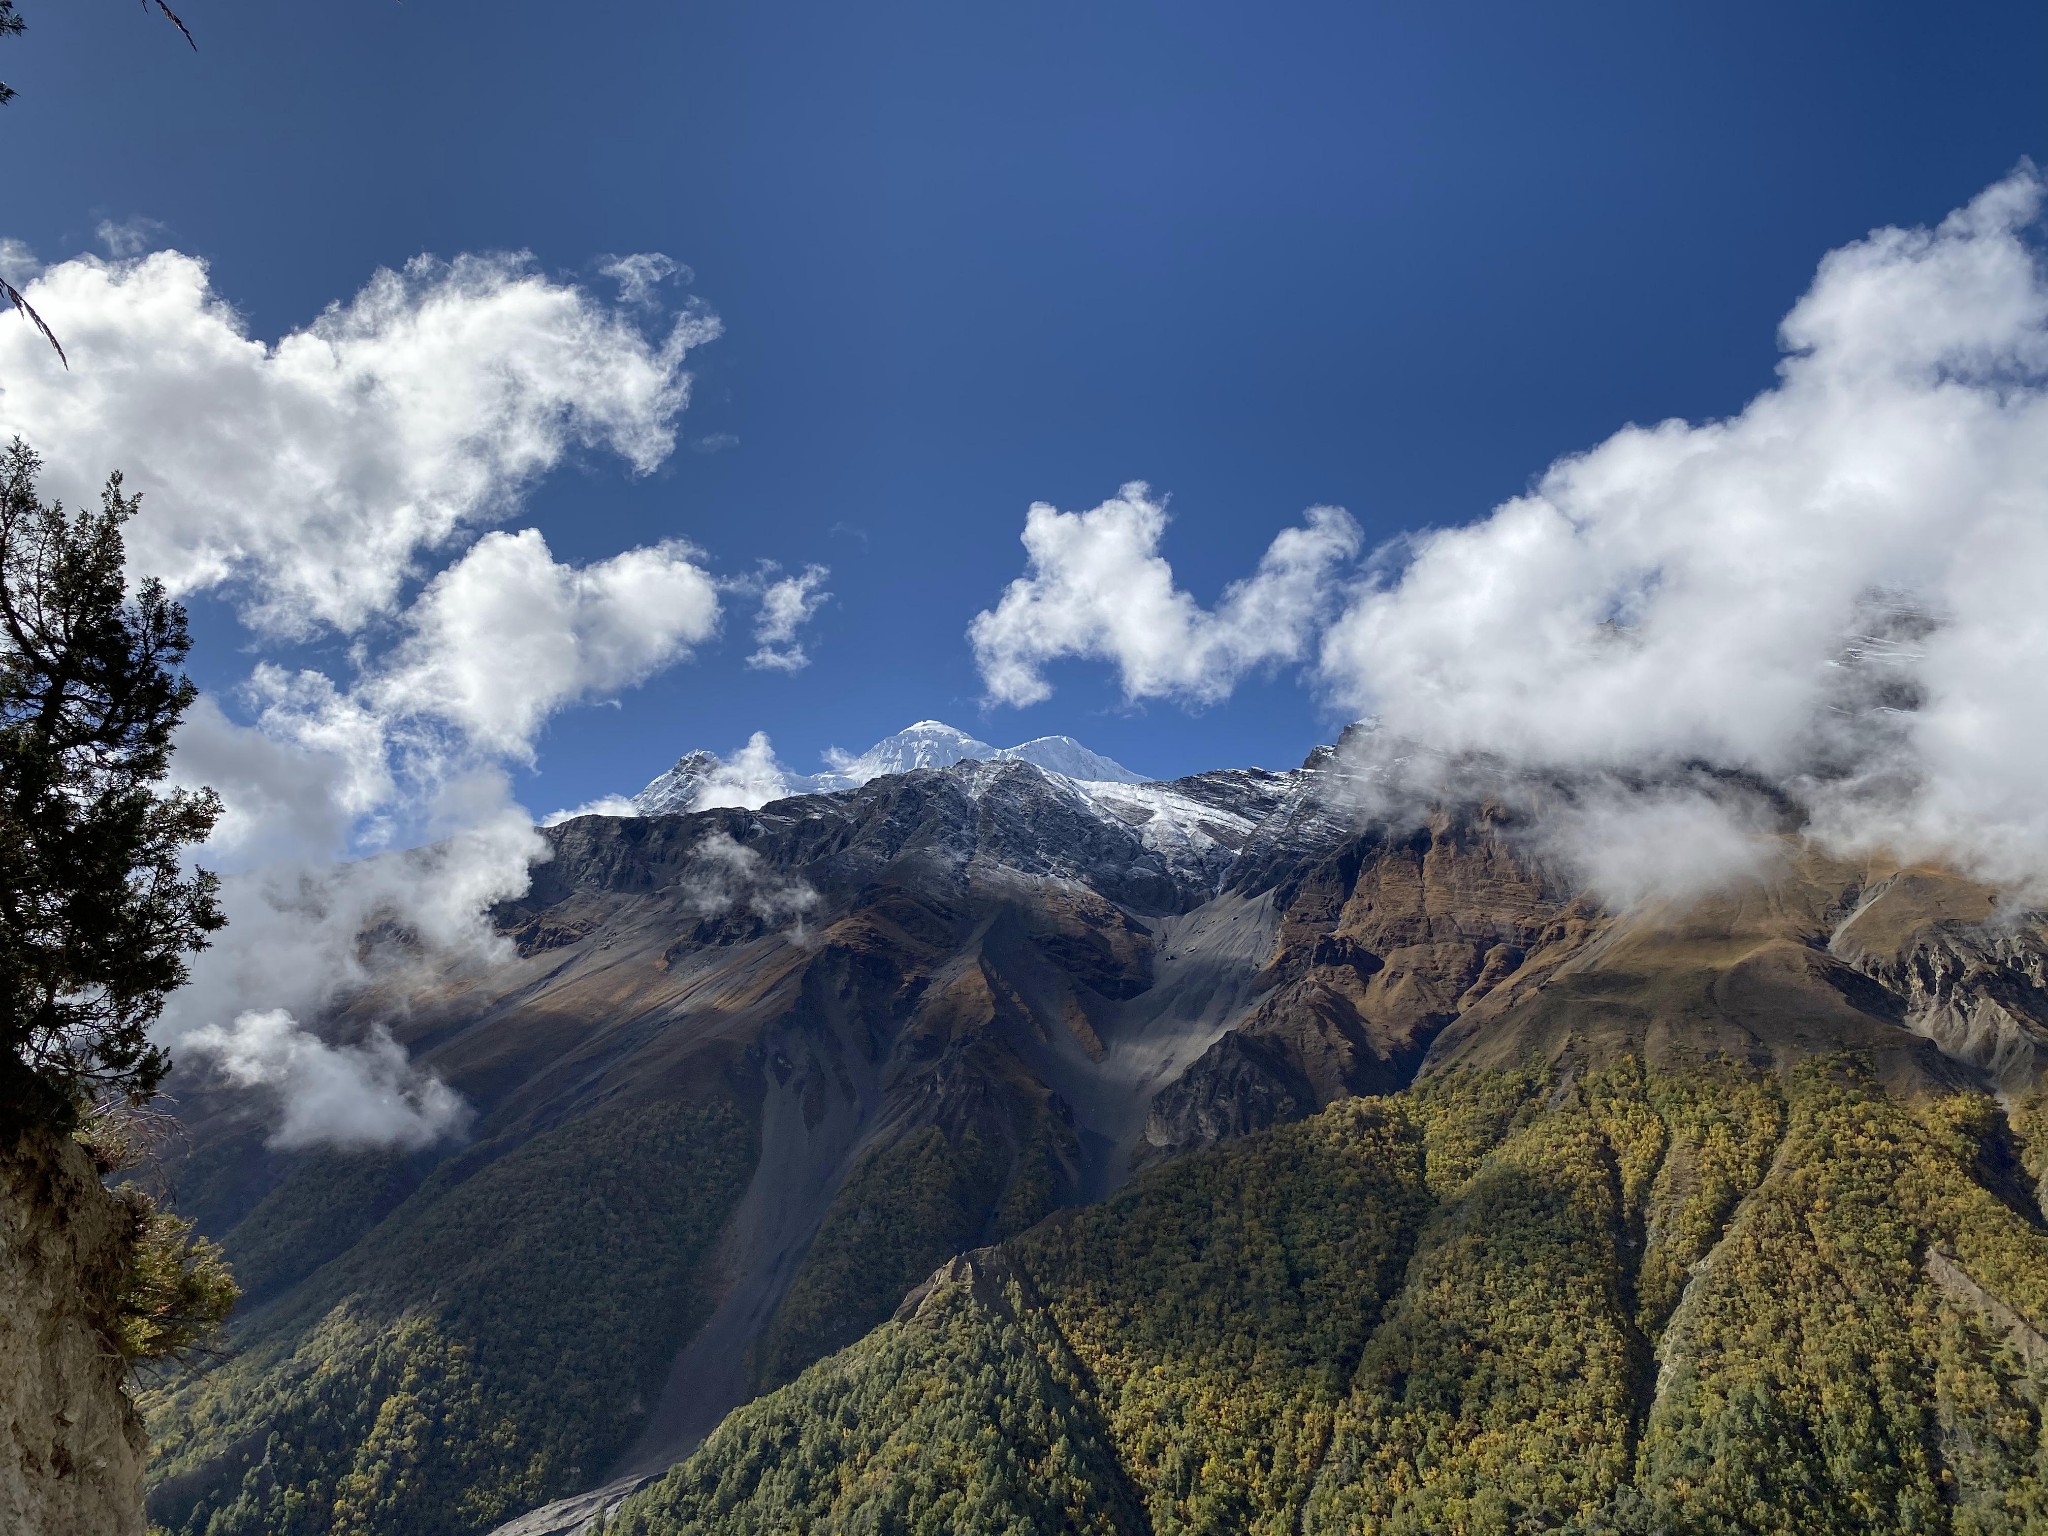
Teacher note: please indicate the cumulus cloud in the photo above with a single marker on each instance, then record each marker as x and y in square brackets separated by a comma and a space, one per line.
[787, 605]
[1832, 596]
[491, 649]
[506, 636]
[1098, 588]
[309, 476]
[314, 483]
[1837, 588]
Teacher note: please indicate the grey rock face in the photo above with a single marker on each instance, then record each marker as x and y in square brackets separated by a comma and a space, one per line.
[1971, 978]
[675, 791]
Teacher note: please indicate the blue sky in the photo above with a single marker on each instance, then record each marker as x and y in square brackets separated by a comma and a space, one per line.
[969, 257]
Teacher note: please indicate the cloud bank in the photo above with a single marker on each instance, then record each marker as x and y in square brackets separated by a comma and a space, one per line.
[1837, 589]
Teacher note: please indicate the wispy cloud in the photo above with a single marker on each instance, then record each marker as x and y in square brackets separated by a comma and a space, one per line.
[787, 604]
[123, 238]
[641, 275]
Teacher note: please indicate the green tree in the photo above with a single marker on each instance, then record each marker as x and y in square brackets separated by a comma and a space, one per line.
[97, 908]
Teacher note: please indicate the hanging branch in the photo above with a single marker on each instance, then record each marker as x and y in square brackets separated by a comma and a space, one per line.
[10, 25]
[12, 295]
[172, 17]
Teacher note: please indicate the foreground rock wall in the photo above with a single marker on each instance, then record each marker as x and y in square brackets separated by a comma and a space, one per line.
[72, 1453]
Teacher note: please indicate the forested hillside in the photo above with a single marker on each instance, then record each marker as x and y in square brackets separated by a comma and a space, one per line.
[1476, 1285]
[498, 1344]
[1713, 1300]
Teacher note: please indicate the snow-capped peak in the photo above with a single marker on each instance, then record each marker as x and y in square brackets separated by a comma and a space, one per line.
[1065, 756]
[927, 744]
[696, 781]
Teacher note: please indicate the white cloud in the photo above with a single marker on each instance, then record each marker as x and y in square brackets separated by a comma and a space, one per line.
[294, 949]
[750, 778]
[490, 650]
[1838, 588]
[603, 805]
[786, 606]
[346, 1096]
[725, 874]
[1098, 588]
[311, 475]
[506, 636]
[311, 483]
[18, 263]
[1635, 843]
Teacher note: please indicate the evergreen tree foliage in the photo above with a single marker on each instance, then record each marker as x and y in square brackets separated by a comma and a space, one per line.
[493, 1345]
[1692, 1303]
[11, 25]
[97, 911]
[176, 1292]
[969, 1414]
[903, 1212]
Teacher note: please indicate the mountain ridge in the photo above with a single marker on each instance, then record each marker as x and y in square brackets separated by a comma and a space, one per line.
[869, 1030]
[924, 744]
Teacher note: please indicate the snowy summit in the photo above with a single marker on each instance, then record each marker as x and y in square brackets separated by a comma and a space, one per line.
[751, 776]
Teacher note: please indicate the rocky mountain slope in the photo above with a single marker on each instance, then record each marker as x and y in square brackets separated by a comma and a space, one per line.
[744, 1079]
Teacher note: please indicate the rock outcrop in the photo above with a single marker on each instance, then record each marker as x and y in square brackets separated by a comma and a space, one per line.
[74, 1452]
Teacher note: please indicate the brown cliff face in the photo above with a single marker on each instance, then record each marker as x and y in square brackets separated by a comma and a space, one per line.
[75, 1445]
[1382, 946]
[1447, 946]
[1824, 955]
[1973, 976]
